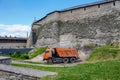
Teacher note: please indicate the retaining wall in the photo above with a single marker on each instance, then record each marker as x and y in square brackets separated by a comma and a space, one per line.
[5, 60]
[8, 72]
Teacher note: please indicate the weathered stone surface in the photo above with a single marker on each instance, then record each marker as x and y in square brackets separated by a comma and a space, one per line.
[5, 60]
[49, 35]
[8, 72]
[95, 25]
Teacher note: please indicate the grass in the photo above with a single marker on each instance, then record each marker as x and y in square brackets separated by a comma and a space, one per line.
[37, 52]
[17, 59]
[105, 53]
[108, 70]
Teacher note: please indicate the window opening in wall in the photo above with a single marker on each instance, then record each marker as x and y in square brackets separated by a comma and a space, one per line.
[71, 11]
[98, 6]
[114, 3]
[84, 8]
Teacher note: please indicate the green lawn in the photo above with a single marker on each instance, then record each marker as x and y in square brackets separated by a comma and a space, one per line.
[109, 70]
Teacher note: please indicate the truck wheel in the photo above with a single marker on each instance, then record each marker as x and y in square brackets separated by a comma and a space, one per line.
[72, 60]
[65, 60]
[49, 60]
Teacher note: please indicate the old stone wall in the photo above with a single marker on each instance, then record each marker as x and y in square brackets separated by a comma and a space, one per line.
[93, 11]
[80, 13]
[5, 60]
[29, 41]
[8, 72]
[12, 45]
[98, 25]
[52, 17]
[6, 75]
[48, 35]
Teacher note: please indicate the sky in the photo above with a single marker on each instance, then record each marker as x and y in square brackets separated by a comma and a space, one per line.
[16, 16]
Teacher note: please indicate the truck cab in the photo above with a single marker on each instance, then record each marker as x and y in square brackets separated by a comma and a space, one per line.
[47, 54]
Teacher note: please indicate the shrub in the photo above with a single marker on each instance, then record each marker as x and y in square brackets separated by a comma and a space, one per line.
[19, 55]
[15, 54]
[24, 56]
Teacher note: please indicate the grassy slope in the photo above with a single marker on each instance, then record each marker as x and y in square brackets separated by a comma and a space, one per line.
[37, 52]
[105, 53]
[108, 70]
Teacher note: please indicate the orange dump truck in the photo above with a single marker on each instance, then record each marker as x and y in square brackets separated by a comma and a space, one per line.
[61, 55]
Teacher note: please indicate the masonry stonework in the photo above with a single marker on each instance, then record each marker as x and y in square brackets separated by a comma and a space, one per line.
[96, 23]
[6, 75]
[5, 60]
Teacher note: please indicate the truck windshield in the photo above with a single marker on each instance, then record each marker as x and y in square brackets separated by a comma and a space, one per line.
[47, 52]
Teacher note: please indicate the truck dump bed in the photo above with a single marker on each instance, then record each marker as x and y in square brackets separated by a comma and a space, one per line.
[66, 52]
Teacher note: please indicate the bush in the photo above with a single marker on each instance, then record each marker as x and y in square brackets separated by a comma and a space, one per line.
[24, 56]
[15, 54]
[19, 55]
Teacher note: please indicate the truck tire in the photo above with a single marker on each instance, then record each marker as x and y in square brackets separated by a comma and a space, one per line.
[72, 60]
[49, 60]
[65, 60]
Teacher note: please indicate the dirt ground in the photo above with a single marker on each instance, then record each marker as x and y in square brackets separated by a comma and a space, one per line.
[82, 55]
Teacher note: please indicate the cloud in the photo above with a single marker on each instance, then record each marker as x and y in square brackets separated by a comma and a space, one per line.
[17, 30]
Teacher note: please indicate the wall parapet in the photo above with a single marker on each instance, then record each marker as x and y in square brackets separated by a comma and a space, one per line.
[58, 15]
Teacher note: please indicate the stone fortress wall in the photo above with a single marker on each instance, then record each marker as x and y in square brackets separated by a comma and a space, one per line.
[80, 13]
[95, 23]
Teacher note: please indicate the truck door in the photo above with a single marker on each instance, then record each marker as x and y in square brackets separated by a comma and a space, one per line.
[48, 54]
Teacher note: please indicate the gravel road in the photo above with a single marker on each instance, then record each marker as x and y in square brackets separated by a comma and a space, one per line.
[49, 65]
